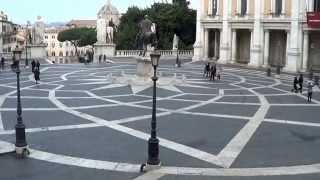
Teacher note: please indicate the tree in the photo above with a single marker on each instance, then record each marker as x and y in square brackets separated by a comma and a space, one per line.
[129, 28]
[78, 37]
[171, 19]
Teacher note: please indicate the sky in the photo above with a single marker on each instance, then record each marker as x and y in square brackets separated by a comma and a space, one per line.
[21, 11]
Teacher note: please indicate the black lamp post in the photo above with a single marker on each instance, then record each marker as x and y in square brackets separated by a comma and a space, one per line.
[21, 143]
[27, 36]
[153, 148]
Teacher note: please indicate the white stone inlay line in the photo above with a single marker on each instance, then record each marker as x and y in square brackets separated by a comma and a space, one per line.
[230, 153]
[6, 147]
[135, 168]
[150, 176]
[204, 156]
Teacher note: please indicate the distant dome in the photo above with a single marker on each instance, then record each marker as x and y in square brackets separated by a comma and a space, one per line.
[108, 9]
[109, 13]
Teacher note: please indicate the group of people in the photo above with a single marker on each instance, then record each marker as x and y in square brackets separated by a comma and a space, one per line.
[212, 71]
[35, 67]
[298, 81]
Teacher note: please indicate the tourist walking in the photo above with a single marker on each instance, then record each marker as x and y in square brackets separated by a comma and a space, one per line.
[300, 83]
[310, 91]
[295, 83]
[206, 70]
[38, 65]
[33, 65]
[213, 72]
[219, 72]
[36, 75]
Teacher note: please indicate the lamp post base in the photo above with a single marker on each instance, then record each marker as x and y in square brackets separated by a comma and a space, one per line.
[22, 151]
[148, 167]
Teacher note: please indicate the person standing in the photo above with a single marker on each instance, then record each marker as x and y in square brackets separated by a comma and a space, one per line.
[310, 91]
[213, 72]
[36, 75]
[38, 65]
[33, 65]
[300, 83]
[2, 63]
[104, 58]
[206, 70]
[219, 72]
[295, 83]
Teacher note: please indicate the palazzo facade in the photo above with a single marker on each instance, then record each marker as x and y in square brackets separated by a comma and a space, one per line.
[258, 33]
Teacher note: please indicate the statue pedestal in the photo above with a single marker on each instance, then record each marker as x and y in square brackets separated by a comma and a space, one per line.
[104, 49]
[144, 67]
[37, 51]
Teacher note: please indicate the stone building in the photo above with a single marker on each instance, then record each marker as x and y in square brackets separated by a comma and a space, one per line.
[258, 33]
[60, 52]
[11, 35]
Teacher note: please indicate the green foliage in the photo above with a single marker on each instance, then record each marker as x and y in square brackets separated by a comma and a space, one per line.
[129, 28]
[170, 19]
[79, 36]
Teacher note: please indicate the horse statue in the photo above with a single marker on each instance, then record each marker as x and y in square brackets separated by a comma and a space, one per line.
[147, 36]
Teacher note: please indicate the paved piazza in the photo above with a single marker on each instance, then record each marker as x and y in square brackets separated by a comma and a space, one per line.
[79, 126]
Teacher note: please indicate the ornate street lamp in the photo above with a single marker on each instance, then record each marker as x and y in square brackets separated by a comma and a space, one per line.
[21, 143]
[27, 39]
[153, 143]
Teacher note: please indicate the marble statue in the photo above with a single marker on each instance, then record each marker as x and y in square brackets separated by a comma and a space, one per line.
[38, 31]
[175, 42]
[109, 34]
[101, 30]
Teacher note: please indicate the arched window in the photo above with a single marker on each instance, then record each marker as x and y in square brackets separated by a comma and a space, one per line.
[71, 53]
[60, 53]
[67, 53]
[53, 53]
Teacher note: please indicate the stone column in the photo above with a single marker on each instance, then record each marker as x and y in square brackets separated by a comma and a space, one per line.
[283, 10]
[294, 50]
[206, 44]
[288, 45]
[225, 34]
[234, 46]
[216, 44]
[198, 45]
[256, 39]
[266, 48]
[305, 51]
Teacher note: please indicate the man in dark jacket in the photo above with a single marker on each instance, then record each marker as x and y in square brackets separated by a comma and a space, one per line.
[300, 83]
[33, 65]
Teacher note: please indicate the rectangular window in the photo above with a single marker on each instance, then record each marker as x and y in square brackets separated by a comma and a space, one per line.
[243, 11]
[278, 7]
[316, 5]
[214, 7]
